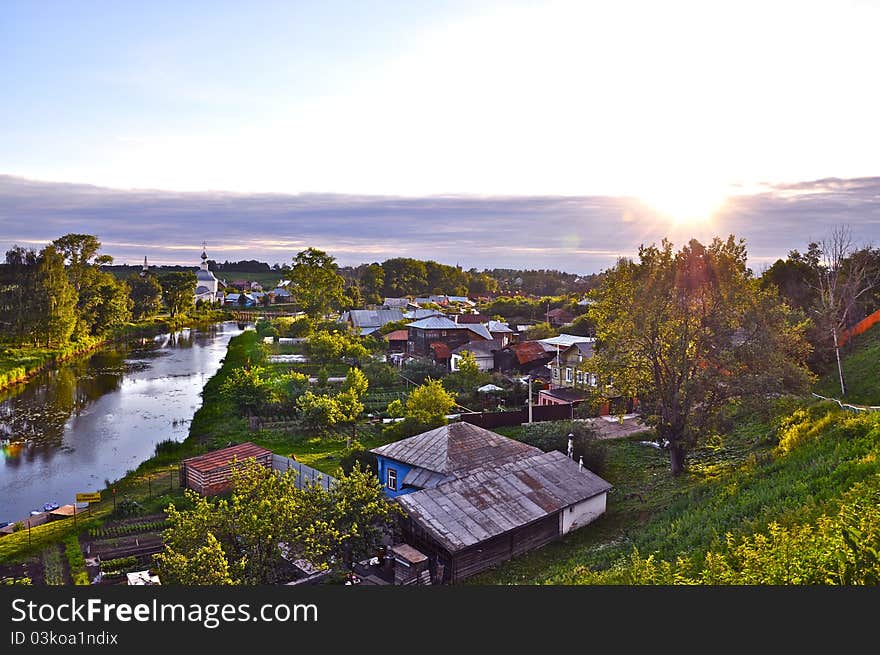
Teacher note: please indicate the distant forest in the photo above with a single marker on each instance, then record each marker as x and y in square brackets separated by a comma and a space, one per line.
[403, 276]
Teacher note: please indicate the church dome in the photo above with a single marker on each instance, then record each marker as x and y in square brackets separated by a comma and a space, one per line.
[203, 274]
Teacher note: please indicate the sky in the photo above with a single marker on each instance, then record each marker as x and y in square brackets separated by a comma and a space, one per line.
[526, 134]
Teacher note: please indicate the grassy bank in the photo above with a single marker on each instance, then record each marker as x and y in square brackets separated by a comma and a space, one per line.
[782, 472]
[20, 363]
[861, 371]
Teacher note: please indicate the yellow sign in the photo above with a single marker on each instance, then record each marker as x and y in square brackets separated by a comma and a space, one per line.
[89, 498]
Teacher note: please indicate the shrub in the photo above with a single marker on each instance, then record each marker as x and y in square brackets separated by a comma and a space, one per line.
[76, 561]
[553, 435]
[356, 454]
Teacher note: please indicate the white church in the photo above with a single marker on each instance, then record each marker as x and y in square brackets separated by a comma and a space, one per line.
[207, 286]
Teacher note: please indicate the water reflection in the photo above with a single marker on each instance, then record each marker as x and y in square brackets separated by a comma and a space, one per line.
[96, 417]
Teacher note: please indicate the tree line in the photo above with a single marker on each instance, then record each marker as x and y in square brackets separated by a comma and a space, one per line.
[62, 294]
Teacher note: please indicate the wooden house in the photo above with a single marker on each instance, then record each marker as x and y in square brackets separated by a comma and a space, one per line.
[209, 474]
[473, 498]
[425, 333]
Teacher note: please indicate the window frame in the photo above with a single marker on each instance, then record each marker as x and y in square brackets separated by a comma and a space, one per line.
[389, 474]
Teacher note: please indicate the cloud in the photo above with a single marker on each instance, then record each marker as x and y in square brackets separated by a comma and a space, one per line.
[577, 234]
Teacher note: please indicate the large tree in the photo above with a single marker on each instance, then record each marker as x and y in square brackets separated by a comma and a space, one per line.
[146, 296]
[55, 300]
[315, 282]
[685, 332]
[178, 291]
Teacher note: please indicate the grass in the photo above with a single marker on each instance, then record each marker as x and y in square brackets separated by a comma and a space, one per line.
[738, 486]
[861, 371]
[76, 561]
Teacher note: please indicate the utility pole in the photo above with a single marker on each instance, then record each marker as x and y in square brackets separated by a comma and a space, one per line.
[529, 382]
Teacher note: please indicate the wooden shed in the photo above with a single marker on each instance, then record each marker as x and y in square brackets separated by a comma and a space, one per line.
[209, 474]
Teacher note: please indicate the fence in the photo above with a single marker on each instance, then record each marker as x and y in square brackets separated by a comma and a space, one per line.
[305, 475]
[850, 407]
[859, 328]
[490, 420]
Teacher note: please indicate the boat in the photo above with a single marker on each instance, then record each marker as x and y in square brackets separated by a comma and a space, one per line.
[48, 507]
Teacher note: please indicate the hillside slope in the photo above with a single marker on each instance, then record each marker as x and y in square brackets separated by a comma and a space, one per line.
[861, 371]
[801, 507]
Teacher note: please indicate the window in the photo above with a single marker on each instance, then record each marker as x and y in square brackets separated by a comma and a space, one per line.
[580, 377]
[568, 374]
[392, 479]
[555, 373]
[592, 380]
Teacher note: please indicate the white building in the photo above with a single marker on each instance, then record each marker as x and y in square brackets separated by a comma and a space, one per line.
[207, 286]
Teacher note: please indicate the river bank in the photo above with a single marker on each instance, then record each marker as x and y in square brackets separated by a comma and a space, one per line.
[20, 364]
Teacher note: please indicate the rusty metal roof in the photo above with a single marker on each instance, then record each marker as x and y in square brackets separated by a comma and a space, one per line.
[529, 351]
[441, 350]
[455, 448]
[397, 335]
[220, 458]
[497, 498]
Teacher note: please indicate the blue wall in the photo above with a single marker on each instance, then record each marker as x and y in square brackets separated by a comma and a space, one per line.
[402, 470]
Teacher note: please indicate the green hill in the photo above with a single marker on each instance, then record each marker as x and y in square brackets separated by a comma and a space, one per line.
[861, 371]
[790, 499]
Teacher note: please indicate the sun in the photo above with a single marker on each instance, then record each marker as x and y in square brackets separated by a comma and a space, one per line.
[693, 206]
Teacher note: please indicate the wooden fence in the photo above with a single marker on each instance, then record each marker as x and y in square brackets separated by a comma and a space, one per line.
[491, 420]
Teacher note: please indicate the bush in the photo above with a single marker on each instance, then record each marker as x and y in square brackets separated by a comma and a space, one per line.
[356, 454]
[76, 561]
[553, 435]
[119, 564]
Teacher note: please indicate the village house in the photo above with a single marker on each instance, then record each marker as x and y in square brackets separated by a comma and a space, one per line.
[525, 358]
[567, 370]
[397, 341]
[483, 352]
[366, 321]
[473, 498]
[437, 336]
[399, 303]
[559, 317]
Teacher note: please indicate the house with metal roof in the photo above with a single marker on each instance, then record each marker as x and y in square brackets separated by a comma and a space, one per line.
[483, 352]
[367, 321]
[438, 336]
[473, 498]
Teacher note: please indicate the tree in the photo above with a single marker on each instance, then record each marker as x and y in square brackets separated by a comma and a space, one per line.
[318, 412]
[18, 296]
[842, 280]
[372, 280]
[404, 276]
[687, 332]
[78, 251]
[315, 283]
[203, 566]
[541, 331]
[349, 400]
[248, 389]
[178, 291]
[146, 296]
[468, 376]
[355, 518]
[104, 303]
[54, 300]
[428, 405]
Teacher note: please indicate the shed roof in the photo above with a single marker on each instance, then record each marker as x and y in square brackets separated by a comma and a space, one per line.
[441, 350]
[480, 330]
[397, 335]
[220, 458]
[499, 326]
[566, 394]
[529, 351]
[497, 498]
[455, 448]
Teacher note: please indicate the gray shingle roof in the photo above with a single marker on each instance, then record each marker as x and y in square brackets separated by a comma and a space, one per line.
[455, 448]
[437, 323]
[496, 498]
[479, 329]
[372, 318]
[498, 326]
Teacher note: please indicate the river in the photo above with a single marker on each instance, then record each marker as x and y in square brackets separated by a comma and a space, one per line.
[91, 420]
